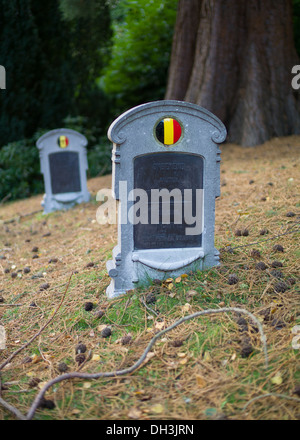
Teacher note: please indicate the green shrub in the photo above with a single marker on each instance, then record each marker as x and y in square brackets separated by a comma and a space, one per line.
[20, 169]
[20, 175]
[142, 43]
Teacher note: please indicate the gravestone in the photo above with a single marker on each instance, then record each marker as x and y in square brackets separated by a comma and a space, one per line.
[64, 165]
[166, 176]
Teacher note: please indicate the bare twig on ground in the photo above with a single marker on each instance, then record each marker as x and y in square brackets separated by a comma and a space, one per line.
[139, 362]
[13, 355]
[11, 305]
[20, 216]
[12, 409]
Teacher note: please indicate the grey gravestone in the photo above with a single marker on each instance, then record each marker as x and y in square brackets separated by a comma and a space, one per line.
[165, 156]
[64, 165]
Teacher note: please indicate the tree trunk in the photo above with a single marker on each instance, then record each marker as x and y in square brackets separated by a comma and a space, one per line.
[237, 63]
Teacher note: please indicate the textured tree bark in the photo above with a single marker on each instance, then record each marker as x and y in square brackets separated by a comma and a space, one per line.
[238, 65]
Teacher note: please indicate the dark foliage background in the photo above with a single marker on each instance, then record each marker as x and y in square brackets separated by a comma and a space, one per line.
[78, 64]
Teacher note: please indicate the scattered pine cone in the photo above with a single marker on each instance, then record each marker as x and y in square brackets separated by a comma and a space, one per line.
[246, 350]
[98, 314]
[177, 342]
[255, 253]
[34, 382]
[233, 279]
[280, 287]
[297, 390]
[46, 404]
[88, 306]
[126, 340]
[278, 248]
[291, 281]
[151, 298]
[26, 360]
[157, 281]
[276, 274]
[106, 332]
[276, 264]
[80, 348]
[278, 324]
[80, 358]
[261, 266]
[62, 367]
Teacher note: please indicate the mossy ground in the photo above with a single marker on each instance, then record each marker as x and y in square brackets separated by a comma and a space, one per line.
[199, 370]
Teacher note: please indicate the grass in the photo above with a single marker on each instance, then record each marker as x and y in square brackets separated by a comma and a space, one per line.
[199, 370]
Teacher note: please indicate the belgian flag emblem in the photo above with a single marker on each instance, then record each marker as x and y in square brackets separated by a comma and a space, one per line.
[63, 141]
[168, 131]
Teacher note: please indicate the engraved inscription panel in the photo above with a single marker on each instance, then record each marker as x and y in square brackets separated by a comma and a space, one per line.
[64, 172]
[170, 171]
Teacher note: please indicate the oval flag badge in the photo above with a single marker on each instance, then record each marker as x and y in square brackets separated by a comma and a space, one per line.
[168, 131]
[63, 141]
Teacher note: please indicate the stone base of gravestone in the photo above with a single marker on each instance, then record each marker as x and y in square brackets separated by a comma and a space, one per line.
[160, 265]
[62, 202]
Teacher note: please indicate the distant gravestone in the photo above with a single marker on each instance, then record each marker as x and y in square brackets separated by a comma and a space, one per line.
[64, 165]
[166, 176]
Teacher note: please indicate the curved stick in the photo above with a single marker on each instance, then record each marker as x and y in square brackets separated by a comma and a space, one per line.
[138, 363]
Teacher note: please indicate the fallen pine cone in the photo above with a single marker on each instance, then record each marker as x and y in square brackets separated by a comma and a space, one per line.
[233, 279]
[80, 358]
[126, 340]
[280, 287]
[46, 404]
[106, 332]
[261, 266]
[88, 306]
[80, 348]
[278, 248]
[98, 314]
[276, 264]
[62, 367]
[255, 253]
[34, 382]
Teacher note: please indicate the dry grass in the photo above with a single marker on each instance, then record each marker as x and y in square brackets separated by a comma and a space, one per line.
[211, 375]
